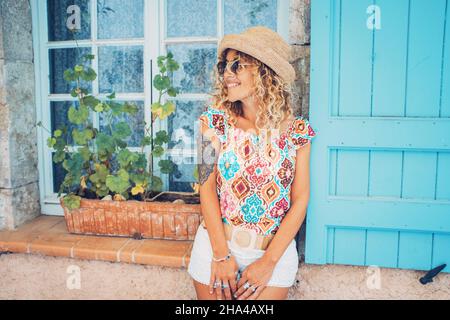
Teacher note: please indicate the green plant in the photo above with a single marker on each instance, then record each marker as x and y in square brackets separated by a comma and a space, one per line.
[99, 164]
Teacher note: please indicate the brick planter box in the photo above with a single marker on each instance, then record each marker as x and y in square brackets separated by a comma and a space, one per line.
[138, 219]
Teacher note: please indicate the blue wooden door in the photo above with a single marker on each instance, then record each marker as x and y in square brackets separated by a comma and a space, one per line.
[380, 103]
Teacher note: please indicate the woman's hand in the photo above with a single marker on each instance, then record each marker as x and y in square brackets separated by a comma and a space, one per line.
[224, 273]
[256, 275]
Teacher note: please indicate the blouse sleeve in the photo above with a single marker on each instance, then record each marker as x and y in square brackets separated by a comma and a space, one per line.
[301, 132]
[215, 119]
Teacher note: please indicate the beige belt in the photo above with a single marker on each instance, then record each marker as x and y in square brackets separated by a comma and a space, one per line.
[245, 238]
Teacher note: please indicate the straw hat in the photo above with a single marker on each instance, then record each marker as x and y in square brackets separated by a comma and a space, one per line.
[265, 45]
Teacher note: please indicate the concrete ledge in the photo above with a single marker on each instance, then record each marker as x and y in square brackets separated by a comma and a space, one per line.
[47, 235]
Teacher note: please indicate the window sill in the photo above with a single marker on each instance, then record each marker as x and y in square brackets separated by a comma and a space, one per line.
[47, 235]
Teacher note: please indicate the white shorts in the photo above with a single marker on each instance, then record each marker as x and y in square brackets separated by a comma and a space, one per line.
[199, 267]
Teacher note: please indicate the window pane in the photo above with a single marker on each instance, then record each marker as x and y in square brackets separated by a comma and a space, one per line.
[59, 117]
[59, 19]
[121, 69]
[58, 175]
[181, 124]
[191, 18]
[59, 61]
[120, 19]
[181, 179]
[182, 130]
[196, 67]
[242, 14]
[136, 123]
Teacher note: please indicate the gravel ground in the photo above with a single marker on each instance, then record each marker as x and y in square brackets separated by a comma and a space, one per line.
[24, 276]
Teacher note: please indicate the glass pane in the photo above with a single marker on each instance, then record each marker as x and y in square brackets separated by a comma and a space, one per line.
[63, 14]
[182, 130]
[191, 18]
[58, 175]
[181, 179]
[242, 14]
[121, 69]
[120, 19]
[59, 117]
[196, 66]
[59, 61]
[181, 124]
[136, 123]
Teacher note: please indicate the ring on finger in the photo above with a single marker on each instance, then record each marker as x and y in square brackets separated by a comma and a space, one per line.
[247, 285]
[224, 286]
[216, 284]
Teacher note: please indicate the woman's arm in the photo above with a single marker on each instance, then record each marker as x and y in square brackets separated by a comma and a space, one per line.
[296, 215]
[208, 148]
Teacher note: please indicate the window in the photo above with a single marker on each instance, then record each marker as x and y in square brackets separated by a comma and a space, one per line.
[126, 37]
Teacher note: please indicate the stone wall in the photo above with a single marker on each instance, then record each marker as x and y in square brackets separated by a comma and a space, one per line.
[19, 193]
[299, 39]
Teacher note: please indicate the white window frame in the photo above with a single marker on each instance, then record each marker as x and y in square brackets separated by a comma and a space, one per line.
[154, 44]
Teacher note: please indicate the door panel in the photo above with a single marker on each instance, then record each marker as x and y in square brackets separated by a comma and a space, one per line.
[380, 176]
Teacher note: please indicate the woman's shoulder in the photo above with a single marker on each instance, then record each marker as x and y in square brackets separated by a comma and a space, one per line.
[300, 132]
[214, 118]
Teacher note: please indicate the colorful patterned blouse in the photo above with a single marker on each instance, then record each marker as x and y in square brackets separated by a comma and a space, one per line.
[253, 184]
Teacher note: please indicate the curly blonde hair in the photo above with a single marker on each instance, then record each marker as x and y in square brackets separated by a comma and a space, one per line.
[271, 90]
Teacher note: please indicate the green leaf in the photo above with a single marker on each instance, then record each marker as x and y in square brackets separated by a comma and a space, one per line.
[156, 183]
[88, 75]
[167, 109]
[161, 82]
[51, 142]
[72, 201]
[74, 92]
[105, 144]
[82, 137]
[91, 101]
[74, 166]
[116, 108]
[85, 153]
[112, 96]
[69, 75]
[139, 178]
[172, 92]
[122, 130]
[141, 162]
[78, 115]
[172, 65]
[88, 57]
[99, 107]
[146, 141]
[78, 68]
[119, 183]
[156, 109]
[158, 151]
[161, 137]
[101, 172]
[60, 144]
[59, 156]
[130, 108]
[120, 143]
[166, 166]
[126, 157]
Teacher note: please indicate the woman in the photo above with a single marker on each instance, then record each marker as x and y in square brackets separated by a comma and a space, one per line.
[253, 172]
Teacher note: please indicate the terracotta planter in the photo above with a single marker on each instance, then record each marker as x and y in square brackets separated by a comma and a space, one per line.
[138, 219]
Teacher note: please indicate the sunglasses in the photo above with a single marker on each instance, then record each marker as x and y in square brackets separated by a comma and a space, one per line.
[234, 66]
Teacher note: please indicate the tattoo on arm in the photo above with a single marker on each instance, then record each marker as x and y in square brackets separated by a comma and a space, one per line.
[207, 156]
